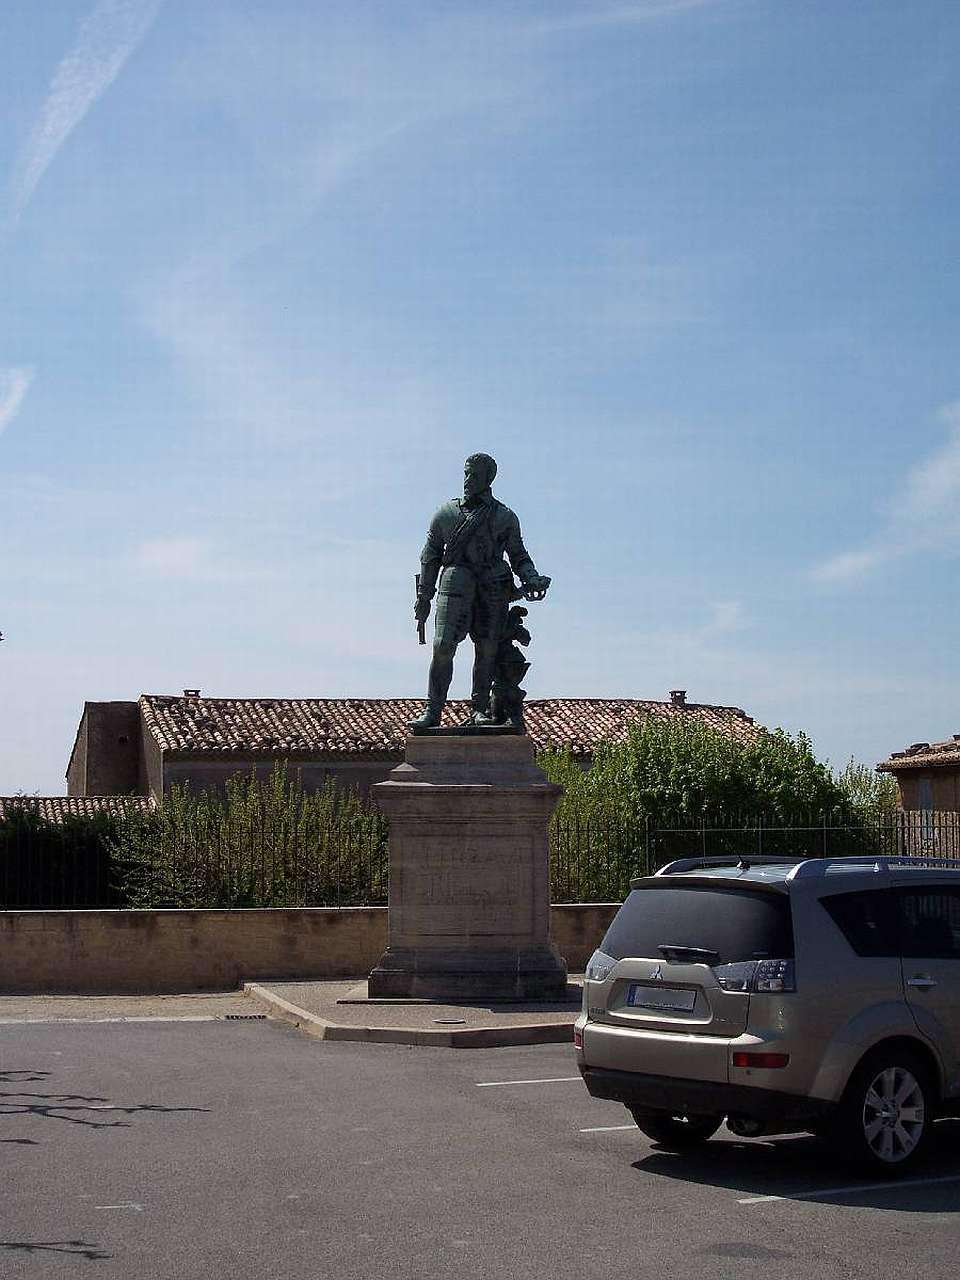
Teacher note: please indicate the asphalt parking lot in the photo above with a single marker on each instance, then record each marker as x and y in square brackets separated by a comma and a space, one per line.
[169, 1148]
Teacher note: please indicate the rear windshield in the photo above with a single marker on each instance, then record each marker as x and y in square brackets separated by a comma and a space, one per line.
[736, 924]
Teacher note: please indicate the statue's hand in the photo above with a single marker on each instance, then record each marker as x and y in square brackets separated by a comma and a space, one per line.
[421, 610]
[536, 588]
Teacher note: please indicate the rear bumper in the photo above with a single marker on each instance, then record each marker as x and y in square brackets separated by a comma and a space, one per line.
[703, 1097]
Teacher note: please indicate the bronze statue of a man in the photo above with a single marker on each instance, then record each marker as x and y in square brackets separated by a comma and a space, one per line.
[465, 550]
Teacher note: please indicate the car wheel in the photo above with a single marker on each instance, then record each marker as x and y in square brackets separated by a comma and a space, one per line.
[886, 1116]
[676, 1133]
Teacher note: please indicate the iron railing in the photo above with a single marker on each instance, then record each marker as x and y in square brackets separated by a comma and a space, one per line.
[595, 860]
[275, 863]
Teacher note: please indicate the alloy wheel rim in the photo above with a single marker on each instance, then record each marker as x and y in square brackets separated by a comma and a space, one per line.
[893, 1114]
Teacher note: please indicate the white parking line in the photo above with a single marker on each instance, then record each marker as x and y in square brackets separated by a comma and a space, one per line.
[609, 1128]
[890, 1185]
[494, 1084]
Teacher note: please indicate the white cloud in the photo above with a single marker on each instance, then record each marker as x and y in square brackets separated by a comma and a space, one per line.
[924, 516]
[933, 486]
[173, 557]
[107, 37]
[621, 15]
[728, 616]
[257, 387]
[846, 566]
[199, 560]
[14, 385]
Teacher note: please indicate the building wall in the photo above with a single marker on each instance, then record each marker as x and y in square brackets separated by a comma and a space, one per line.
[116, 952]
[945, 787]
[77, 766]
[106, 761]
[206, 774]
[151, 765]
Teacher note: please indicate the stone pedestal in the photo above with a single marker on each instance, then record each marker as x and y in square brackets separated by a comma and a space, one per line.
[469, 915]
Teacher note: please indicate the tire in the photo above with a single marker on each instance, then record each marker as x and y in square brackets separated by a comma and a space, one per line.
[676, 1133]
[885, 1119]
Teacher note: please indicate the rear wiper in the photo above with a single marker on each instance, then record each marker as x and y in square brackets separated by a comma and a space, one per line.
[671, 952]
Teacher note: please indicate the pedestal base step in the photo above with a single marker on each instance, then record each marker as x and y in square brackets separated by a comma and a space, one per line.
[437, 974]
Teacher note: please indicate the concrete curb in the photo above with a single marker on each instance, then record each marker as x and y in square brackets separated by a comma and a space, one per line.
[469, 1038]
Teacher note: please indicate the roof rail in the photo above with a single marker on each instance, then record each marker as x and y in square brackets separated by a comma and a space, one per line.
[804, 868]
[734, 860]
[810, 867]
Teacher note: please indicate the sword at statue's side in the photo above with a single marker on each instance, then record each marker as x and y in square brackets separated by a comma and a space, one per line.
[421, 623]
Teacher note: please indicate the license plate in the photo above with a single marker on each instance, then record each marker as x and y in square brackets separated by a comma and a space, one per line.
[640, 997]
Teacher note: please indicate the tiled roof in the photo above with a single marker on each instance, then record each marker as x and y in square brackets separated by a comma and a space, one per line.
[190, 726]
[56, 808]
[924, 755]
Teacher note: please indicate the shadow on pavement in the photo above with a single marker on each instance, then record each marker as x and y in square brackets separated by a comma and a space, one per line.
[73, 1108]
[74, 1248]
[801, 1168]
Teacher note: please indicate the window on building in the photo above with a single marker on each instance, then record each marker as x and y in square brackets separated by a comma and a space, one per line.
[925, 801]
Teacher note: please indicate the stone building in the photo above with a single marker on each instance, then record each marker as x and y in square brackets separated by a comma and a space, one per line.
[143, 747]
[927, 775]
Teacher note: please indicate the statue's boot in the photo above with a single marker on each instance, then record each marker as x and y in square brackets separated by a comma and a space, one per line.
[430, 718]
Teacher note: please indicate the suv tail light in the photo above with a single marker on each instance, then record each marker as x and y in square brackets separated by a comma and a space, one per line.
[599, 965]
[757, 975]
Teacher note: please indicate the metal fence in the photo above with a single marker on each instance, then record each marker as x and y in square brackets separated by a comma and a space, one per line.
[75, 863]
[52, 864]
[271, 862]
[594, 861]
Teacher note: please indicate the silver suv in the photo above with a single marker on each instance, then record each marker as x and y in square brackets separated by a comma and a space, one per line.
[817, 996]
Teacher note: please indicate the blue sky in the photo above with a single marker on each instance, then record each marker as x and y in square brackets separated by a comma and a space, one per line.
[688, 268]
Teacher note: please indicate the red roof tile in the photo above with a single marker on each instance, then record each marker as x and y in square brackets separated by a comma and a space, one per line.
[56, 808]
[924, 755]
[378, 726]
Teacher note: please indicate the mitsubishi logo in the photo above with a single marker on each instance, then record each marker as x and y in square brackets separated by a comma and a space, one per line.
[657, 975]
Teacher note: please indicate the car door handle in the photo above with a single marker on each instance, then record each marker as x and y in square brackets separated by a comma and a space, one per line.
[922, 981]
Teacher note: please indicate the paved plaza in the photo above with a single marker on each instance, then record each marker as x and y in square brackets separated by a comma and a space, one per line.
[169, 1148]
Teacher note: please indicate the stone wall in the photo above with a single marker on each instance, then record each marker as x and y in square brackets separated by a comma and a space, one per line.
[945, 787]
[113, 952]
[106, 755]
[203, 773]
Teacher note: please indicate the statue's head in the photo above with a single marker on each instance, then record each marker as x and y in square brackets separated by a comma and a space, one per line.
[478, 473]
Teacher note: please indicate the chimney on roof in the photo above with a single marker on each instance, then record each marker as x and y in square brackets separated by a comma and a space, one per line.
[191, 693]
[678, 697]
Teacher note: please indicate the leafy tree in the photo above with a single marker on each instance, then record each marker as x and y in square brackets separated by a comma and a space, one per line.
[679, 771]
[262, 843]
[867, 789]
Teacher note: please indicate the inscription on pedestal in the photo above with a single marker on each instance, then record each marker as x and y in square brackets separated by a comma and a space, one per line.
[450, 892]
[469, 873]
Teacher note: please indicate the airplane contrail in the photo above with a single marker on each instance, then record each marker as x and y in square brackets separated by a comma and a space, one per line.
[14, 385]
[107, 37]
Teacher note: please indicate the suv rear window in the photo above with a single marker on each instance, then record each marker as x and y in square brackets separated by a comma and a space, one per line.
[737, 924]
